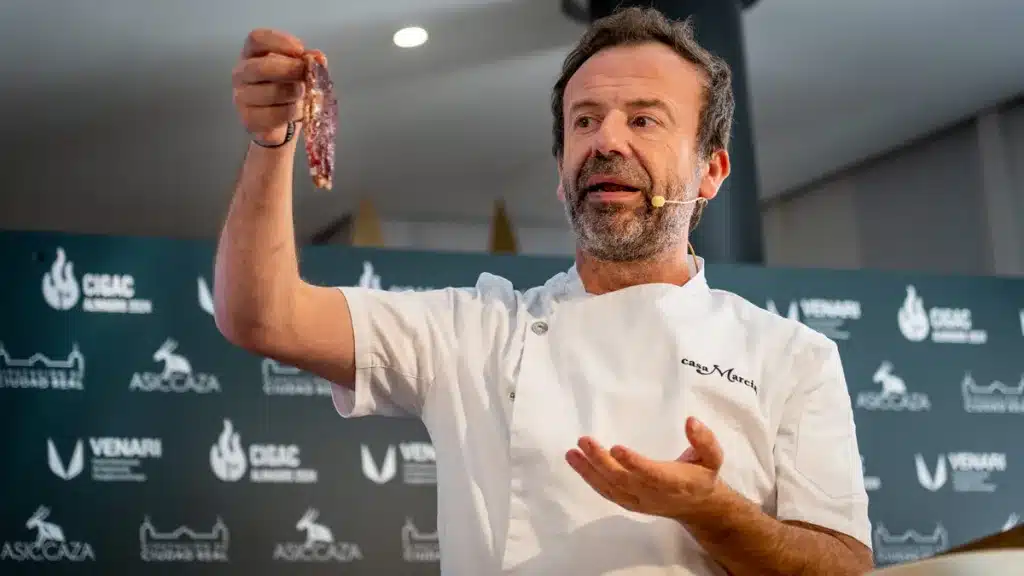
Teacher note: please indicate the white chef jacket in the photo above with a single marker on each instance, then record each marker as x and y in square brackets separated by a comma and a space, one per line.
[507, 381]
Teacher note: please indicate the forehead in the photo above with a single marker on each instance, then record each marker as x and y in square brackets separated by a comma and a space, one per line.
[637, 71]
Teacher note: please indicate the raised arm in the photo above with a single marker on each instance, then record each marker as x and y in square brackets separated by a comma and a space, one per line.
[261, 302]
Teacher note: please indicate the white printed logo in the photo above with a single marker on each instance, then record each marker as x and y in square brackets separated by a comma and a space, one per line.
[266, 463]
[871, 483]
[282, 380]
[226, 456]
[105, 293]
[60, 287]
[908, 546]
[826, 316]
[971, 471]
[183, 544]
[419, 464]
[74, 466]
[41, 373]
[370, 279]
[205, 296]
[994, 398]
[114, 459]
[419, 546]
[1011, 522]
[894, 395]
[946, 325]
[50, 544]
[177, 375]
[320, 545]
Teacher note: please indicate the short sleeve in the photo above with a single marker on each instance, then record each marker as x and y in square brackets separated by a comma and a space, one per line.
[402, 339]
[819, 474]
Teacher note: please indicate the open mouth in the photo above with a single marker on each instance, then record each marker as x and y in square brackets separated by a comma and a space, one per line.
[609, 186]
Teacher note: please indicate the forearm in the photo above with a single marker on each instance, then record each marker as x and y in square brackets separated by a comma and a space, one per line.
[746, 541]
[256, 265]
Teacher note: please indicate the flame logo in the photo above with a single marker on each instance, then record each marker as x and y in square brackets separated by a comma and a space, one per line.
[226, 456]
[912, 317]
[369, 279]
[60, 289]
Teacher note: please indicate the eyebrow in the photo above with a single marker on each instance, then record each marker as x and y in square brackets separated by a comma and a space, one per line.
[632, 104]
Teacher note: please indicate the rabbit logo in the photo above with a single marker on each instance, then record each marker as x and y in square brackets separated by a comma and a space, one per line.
[892, 385]
[320, 545]
[174, 364]
[315, 533]
[50, 545]
[894, 395]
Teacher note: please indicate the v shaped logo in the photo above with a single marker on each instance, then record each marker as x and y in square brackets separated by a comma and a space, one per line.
[928, 480]
[386, 472]
[74, 467]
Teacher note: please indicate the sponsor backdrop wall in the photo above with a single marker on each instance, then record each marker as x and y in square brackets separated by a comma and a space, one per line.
[138, 441]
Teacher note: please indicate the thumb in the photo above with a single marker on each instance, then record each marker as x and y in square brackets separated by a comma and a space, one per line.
[690, 456]
[704, 444]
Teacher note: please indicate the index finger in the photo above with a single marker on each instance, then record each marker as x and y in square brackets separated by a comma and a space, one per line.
[264, 41]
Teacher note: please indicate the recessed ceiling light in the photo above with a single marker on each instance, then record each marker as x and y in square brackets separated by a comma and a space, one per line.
[410, 37]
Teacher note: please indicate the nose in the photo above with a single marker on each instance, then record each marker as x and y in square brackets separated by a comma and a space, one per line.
[613, 136]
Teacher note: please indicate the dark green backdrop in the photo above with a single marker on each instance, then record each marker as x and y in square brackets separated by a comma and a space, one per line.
[136, 440]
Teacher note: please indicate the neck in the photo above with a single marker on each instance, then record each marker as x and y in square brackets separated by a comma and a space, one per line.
[602, 276]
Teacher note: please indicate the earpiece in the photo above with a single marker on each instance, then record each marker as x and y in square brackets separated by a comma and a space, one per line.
[659, 201]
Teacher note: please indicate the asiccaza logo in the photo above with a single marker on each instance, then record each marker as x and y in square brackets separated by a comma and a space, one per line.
[419, 464]
[41, 373]
[908, 546]
[830, 317]
[114, 459]
[894, 395]
[183, 544]
[944, 325]
[370, 279]
[107, 293]
[177, 375]
[419, 546]
[970, 471]
[320, 544]
[282, 380]
[50, 544]
[266, 463]
[992, 398]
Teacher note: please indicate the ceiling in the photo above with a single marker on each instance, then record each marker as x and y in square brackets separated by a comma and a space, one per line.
[118, 116]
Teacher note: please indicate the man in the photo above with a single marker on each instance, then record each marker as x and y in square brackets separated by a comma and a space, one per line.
[623, 418]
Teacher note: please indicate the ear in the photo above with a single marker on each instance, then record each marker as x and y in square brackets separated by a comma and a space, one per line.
[718, 169]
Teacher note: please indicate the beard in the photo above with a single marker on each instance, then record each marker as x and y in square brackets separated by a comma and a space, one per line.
[616, 232]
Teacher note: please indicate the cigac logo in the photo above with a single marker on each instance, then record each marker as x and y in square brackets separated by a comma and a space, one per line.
[726, 373]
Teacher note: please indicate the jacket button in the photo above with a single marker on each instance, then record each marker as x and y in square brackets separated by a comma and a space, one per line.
[539, 327]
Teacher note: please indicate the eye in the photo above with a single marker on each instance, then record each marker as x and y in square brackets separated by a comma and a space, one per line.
[644, 121]
[583, 122]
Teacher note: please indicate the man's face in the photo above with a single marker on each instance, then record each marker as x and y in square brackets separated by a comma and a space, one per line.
[631, 118]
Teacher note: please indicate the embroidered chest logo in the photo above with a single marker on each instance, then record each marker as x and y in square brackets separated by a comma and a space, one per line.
[726, 373]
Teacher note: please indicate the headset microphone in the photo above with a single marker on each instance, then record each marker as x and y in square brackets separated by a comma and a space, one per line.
[659, 201]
